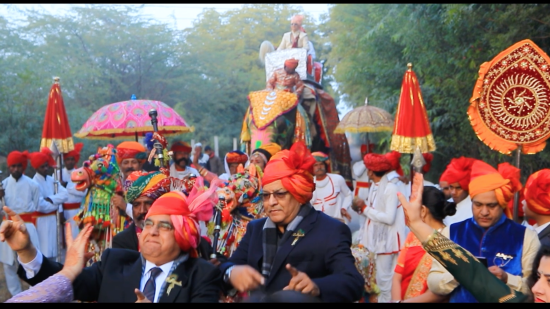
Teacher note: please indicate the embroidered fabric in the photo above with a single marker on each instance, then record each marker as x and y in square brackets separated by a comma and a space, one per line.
[55, 289]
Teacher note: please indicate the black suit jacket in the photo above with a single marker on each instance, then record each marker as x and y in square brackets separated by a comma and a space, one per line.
[544, 236]
[128, 239]
[114, 278]
[324, 254]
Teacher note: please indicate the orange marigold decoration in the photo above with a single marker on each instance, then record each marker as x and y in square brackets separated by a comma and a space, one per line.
[510, 104]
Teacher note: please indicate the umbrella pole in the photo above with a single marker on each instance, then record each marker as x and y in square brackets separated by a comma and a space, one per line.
[136, 136]
[516, 195]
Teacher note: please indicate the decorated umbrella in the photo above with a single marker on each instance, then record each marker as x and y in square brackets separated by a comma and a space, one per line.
[510, 106]
[365, 119]
[56, 135]
[128, 119]
[411, 128]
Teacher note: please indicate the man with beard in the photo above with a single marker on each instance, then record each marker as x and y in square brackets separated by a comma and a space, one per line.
[72, 206]
[130, 157]
[22, 195]
[180, 168]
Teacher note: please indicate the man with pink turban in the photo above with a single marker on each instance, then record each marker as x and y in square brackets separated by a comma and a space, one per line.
[296, 248]
[297, 37]
[508, 248]
[167, 268]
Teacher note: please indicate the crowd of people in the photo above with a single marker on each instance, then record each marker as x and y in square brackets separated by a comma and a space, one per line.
[275, 226]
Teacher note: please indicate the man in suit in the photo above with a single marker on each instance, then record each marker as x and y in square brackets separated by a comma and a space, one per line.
[536, 205]
[143, 189]
[295, 248]
[167, 268]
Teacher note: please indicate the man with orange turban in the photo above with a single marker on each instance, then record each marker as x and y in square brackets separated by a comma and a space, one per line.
[295, 248]
[181, 168]
[50, 202]
[231, 162]
[509, 248]
[286, 78]
[74, 200]
[383, 231]
[166, 269]
[130, 156]
[331, 195]
[22, 195]
[536, 205]
[297, 37]
[457, 175]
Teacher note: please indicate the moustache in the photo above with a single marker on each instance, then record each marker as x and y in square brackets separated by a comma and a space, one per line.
[130, 169]
[182, 160]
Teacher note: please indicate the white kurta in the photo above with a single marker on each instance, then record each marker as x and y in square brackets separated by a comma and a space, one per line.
[74, 196]
[362, 180]
[393, 177]
[463, 212]
[331, 195]
[47, 225]
[21, 196]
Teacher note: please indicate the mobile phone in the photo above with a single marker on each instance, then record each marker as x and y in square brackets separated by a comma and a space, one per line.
[482, 260]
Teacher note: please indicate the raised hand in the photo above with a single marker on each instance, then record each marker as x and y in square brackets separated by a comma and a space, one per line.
[413, 207]
[301, 282]
[77, 254]
[14, 232]
[141, 297]
[245, 278]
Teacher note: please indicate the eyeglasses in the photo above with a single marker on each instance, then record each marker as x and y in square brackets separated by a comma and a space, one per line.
[163, 226]
[279, 195]
[294, 24]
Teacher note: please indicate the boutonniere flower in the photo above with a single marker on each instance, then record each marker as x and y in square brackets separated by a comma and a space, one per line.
[172, 280]
[297, 236]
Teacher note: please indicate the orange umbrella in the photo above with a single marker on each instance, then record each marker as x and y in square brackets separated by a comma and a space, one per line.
[411, 126]
[56, 135]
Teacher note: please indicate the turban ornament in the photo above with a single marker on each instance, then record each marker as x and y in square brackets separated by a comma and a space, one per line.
[294, 167]
[537, 192]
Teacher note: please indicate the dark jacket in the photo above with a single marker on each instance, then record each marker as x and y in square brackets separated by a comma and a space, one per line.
[323, 253]
[544, 236]
[114, 278]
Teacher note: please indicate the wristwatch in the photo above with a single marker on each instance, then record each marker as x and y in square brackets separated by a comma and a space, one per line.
[227, 274]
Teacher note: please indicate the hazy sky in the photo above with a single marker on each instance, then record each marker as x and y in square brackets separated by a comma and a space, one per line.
[180, 15]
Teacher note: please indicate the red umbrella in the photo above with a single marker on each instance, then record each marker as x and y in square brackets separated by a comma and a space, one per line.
[411, 127]
[57, 136]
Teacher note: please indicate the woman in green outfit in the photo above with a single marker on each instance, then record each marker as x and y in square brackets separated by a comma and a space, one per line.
[466, 269]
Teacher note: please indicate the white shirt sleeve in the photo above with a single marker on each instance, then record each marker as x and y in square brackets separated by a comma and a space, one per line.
[392, 203]
[31, 268]
[348, 196]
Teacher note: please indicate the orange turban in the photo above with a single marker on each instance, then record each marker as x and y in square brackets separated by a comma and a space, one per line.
[458, 171]
[537, 192]
[41, 157]
[16, 157]
[505, 182]
[394, 157]
[186, 212]
[75, 153]
[236, 156]
[291, 63]
[294, 168]
[181, 146]
[428, 157]
[129, 149]
[377, 162]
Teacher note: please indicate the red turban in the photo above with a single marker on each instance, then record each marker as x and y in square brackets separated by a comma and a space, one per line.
[458, 171]
[41, 157]
[16, 157]
[505, 182]
[377, 162]
[294, 168]
[236, 156]
[186, 212]
[181, 146]
[75, 153]
[394, 157]
[428, 157]
[291, 63]
[537, 192]
[128, 150]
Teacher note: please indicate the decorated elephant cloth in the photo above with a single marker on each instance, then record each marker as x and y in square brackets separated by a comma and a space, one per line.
[241, 204]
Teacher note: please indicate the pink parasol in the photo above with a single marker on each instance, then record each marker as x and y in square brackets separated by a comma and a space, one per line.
[127, 119]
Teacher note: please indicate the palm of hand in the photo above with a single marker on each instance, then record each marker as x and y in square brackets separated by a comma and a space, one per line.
[17, 236]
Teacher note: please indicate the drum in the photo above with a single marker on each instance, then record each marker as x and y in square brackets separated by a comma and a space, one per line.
[365, 263]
